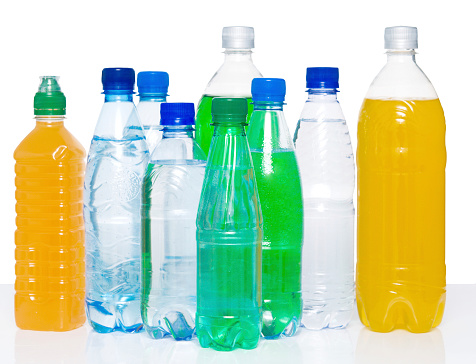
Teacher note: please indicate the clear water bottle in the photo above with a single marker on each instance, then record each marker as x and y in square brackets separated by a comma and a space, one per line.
[279, 189]
[171, 193]
[116, 165]
[152, 87]
[233, 79]
[326, 163]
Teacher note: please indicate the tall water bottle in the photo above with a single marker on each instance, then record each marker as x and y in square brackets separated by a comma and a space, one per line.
[171, 192]
[279, 189]
[233, 79]
[401, 160]
[326, 163]
[49, 175]
[117, 160]
[152, 87]
[229, 236]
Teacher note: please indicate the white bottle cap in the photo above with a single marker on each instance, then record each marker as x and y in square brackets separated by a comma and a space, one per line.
[401, 38]
[238, 37]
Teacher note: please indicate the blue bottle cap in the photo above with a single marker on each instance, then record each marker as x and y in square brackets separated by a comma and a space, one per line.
[322, 77]
[152, 82]
[118, 79]
[177, 113]
[268, 89]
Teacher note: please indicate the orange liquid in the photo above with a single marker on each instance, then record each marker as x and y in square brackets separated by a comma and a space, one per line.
[401, 158]
[50, 284]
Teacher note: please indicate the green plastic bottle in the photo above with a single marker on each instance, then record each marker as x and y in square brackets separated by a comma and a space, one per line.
[279, 188]
[229, 236]
[233, 79]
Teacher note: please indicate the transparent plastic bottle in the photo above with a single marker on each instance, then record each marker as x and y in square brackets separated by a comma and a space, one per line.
[279, 189]
[171, 192]
[326, 163]
[229, 236]
[49, 238]
[152, 87]
[233, 79]
[401, 159]
[117, 160]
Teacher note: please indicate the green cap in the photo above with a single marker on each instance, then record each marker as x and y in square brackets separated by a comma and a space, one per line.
[230, 109]
[49, 100]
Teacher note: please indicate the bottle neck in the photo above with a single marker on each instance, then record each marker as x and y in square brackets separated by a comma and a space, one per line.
[153, 98]
[229, 127]
[238, 55]
[183, 131]
[400, 55]
[118, 96]
[322, 94]
[268, 105]
[49, 120]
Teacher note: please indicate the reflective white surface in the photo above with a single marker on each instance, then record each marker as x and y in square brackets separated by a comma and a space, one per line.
[453, 342]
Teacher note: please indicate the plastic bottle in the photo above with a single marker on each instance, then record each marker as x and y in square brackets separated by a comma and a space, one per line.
[233, 79]
[50, 231]
[152, 87]
[279, 189]
[326, 162]
[118, 158]
[229, 236]
[171, 192]
[401, 159]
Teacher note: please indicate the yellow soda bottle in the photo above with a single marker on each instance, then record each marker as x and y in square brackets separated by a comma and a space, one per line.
[50, 282]
[401, 159]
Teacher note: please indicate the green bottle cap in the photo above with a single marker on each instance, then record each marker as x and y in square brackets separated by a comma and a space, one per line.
[229, 109]
[49, 100]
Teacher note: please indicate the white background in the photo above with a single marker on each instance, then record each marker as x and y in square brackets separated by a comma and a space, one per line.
[76, 39]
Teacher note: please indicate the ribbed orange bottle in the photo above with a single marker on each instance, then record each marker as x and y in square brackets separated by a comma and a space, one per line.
[50, 283]
[401, 160]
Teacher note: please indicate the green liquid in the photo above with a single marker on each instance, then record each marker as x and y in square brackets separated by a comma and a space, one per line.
[279, 190]
[229, 258]
[203, 129]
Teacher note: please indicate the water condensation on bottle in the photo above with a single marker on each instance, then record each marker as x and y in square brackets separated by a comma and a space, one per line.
[171, 197]
[326, 164]
[112, 202]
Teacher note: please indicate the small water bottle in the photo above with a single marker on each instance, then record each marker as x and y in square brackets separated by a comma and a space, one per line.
[152, 87]
[326, 163]
[116, 165]
[171, 192]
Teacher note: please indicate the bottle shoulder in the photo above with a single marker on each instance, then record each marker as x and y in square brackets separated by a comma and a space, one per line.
[233, 79]
[268, 130]
[50, 143]
[322, 110]
[401, 80]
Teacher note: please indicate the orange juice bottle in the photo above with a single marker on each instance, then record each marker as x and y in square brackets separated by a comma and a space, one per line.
[49, 238]
[401, 159]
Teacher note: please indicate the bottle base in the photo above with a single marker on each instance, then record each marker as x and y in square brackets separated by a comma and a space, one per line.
[402, 315]
[313, 319]
[228, 333]
[105, 317]
[176, 324]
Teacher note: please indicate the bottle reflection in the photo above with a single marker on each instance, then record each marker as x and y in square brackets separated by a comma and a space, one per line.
[285, 350]
[114, 348]
[42, 347]
[400, 347]
[329, 346]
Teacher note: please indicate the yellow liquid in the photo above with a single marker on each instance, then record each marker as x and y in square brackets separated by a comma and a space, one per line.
[401, 159]
[50, 283]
